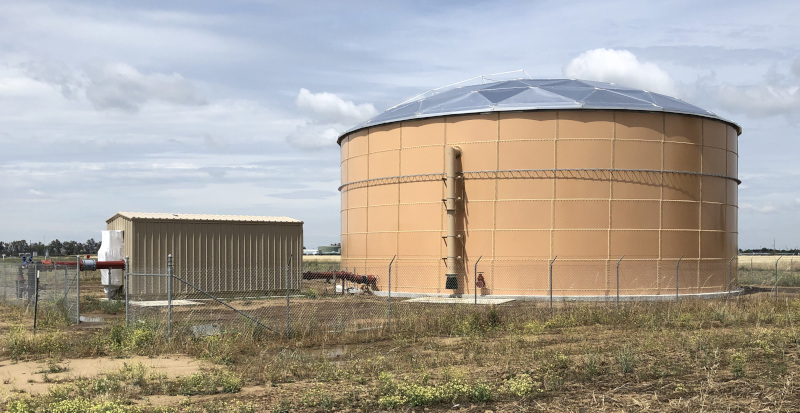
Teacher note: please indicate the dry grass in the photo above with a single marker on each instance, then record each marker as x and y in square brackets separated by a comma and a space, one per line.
[767, 262]
[760, 270]
[737, 355]
[322, 258]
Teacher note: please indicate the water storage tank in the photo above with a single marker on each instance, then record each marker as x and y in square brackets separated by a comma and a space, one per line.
[525, 172]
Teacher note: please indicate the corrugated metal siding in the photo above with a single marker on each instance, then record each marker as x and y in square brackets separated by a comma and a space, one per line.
[126, 226]
[218, 257]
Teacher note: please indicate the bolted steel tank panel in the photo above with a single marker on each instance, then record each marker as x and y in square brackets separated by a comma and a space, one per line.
[586, 186]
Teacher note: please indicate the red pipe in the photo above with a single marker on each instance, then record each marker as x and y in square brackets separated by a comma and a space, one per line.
[371, 280]
[110, 265]
[90, 265]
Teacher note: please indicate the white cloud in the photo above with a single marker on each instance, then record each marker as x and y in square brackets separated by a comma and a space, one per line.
[761, 100]
[778, 94]
[328, 107]
[796, 67]
[315, 136]
[70, 31]
[328, 116]
[621, 67]
[757, 208]
[121, 86]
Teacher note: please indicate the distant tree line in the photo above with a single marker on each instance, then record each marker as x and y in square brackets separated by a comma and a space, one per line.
[54, 248]
[768, 251]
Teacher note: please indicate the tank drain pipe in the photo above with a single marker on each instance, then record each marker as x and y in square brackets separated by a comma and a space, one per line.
[550, 283]
[452, 153]
[475, 274]
[620, 260]
[677, 276]
[390, 292]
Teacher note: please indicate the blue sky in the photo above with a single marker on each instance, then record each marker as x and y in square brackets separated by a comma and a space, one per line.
[234, 107]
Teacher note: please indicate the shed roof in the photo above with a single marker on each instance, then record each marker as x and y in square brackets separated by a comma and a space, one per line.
[534, 94]
[163, 216]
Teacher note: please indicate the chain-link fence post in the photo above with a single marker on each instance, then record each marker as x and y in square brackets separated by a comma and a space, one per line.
[288, 267]
[550, 272]
[127, 292]
[677, 272]
[169, 296]
[35, 299]
[776, 276]
[344, 278]
[77, 289]
[475, 276]
[618, 261]
[390, 294]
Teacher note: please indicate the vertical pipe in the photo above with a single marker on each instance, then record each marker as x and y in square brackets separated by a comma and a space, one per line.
[776, 276]
[730, 271]
[618, 261]
[36, 301]
[288, 264]
[127, 292]
[475, 276]
[452, 153]
[390, 292]
[677, 271]
[78, 290]
[551, 282]
[169, 297]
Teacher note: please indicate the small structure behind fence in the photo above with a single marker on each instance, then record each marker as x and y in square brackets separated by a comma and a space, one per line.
[42, 287]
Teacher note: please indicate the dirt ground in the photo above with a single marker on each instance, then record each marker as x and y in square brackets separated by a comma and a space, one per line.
[36, 377]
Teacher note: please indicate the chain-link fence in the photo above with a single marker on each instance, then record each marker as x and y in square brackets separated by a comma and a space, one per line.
[360, 296]
[284, 301]
[772, 272]
[42, 288]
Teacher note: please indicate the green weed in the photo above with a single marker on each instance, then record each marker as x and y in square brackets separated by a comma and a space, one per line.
[626, 360]
[738, 363]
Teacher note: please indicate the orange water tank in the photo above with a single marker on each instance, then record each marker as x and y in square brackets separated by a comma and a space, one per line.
[563, 174]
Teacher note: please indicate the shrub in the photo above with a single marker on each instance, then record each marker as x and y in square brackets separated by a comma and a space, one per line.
[520, 386]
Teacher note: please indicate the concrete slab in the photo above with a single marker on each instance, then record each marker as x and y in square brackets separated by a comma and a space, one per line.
[459, 300]
[163, 303]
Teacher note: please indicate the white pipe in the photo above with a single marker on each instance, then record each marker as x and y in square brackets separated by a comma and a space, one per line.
[452, 154]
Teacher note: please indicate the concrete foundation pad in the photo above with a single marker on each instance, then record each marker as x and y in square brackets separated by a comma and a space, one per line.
[163, 303]
[420, 297]
[459, 300]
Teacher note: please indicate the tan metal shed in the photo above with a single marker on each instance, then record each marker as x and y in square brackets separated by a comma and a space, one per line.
[217, 253]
